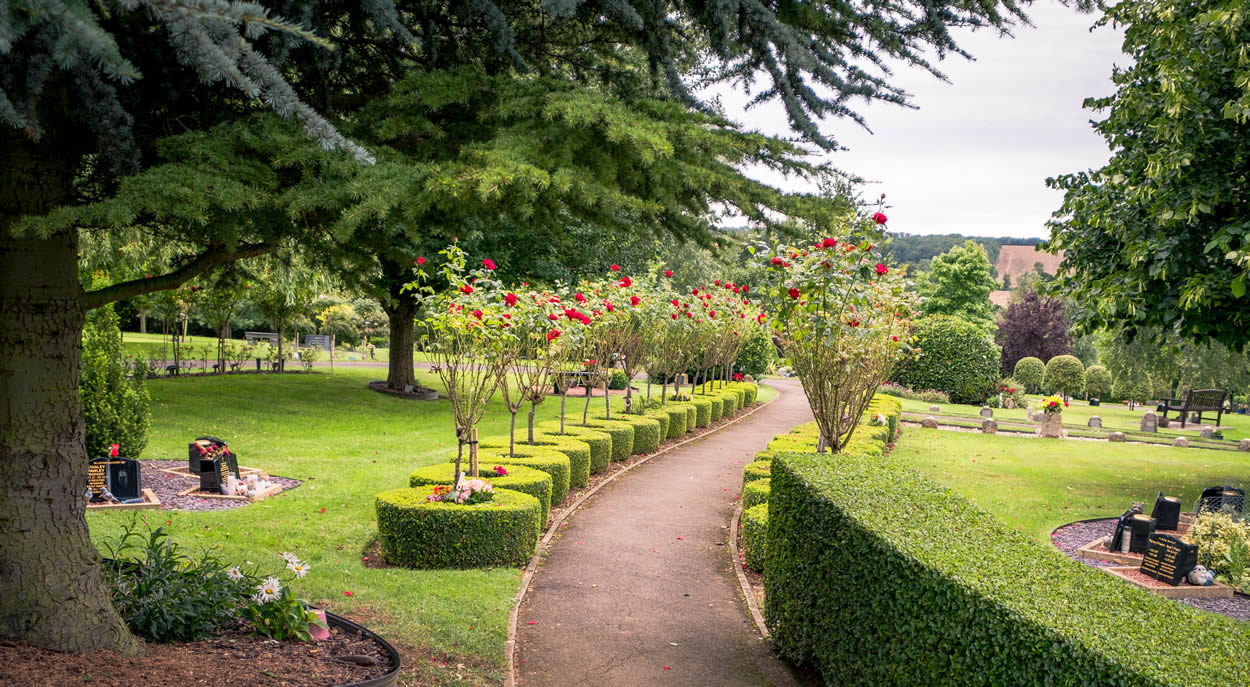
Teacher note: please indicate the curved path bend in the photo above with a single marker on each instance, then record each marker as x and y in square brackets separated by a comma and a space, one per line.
[639, 588]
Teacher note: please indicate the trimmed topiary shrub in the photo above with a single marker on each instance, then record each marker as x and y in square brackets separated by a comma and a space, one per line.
[749, 393]
[600, 443]
[965, 598]
[692, 416]
[729, 402]
[619, 381]
[622, 434]
[676, 420]
[758, 470]
[661, 417]
[1097, 381]
[717, 406]
[542, 458]
[754, 493]
[954, 356]
[1065, 374]
[520, 478]
[415, 533]
[578, 453]
[702, 411]
[1029, 371]
[754, 536]
[646, 432]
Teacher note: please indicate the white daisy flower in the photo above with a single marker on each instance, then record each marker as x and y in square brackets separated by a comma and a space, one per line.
[298, 568]
[234, 573]
[268, 590]
[288, 557]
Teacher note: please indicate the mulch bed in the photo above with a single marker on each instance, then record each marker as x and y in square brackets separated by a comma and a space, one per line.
[417, 394]
[168, 486]
[1071, 537]
[233, 658]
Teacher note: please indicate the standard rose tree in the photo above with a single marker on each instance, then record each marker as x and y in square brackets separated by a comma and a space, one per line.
[842, 317]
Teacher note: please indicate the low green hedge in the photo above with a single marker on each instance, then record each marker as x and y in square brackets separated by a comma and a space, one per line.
[754, 536]
[702, 411]
[760, 469]
[729, 403]
[646, 432]
[878, 576]
[661, 417]
[622, 434]
[692, 416]
[578, 452]
[542, 458]
[600, 443]
[749, 392]
[755, 492]
[718, 405]
[676, 420]
[415, 533]
[520, 478]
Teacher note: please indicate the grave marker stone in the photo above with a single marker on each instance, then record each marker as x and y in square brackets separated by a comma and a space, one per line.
[1208, 432]
[1244, 445]
[935, 409]
[1117, 436]
[1149, 421]
[120, 476]
[1169, 559]
[1095, 422]
[1164, 422]
[929, 422]
[1167, 512]
[97, 478]
[1142, 526]
[1180, 442]
[986, 411]
[989, 426]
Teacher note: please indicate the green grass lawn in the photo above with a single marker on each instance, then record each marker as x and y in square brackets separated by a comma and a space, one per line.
[347, 443]
[1114, 417]
[134, 343]
[1036, 485]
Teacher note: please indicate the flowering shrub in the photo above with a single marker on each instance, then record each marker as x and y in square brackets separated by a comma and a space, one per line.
[1223, 547]
[273, 610]
[842, 316]
[1052, 404]
[500, 471]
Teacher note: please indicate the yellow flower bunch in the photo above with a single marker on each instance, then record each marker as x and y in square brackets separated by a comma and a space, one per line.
[1053, 404]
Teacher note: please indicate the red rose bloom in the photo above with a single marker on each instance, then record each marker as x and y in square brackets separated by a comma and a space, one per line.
[794, 293]
[421, 261]
[777, 261]
[615, 268]
[760, 318]
[625, 282]
[466, 289]
[553, 335]
[882, 269]
[894, 338]
[668, 273]
[553, 317]
[488, 264]
[634, 300]
[510, 299]
[711, 314]
[477, 314]
[579, 297]
[610, 307]
[674, 316]
[879, 218]
[829, 243]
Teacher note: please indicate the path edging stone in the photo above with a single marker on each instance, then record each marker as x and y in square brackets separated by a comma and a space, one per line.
[540, 553]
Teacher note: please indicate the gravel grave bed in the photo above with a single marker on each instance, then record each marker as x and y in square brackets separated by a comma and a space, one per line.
[168, 486]
[234, 657]
[1071, 537]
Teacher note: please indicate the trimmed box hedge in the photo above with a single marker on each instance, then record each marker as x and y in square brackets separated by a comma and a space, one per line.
[578, 452]
[661, 417]
[754, 536]
[622, 434]
[676, 420]
[760, 469]
[646, 431]
[702, 411]
[542, 458]
[692, 416]
[729, 403]
[755, 492]
[878, 576]
[600, 443]
[415, 533]
[520, 478]
[718, 405]
[749, 392]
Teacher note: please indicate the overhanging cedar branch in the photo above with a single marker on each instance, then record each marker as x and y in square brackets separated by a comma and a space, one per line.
[215, 255]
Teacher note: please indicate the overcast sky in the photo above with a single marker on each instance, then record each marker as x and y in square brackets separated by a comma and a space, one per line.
[974, 158]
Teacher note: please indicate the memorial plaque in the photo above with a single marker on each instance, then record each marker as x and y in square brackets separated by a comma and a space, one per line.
[1169, 559]
[215, 475]
[1142, 527]
[97, 478]
[1167, 512]
[120, 476]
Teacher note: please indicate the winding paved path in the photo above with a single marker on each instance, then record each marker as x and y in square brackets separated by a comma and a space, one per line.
[639, 589]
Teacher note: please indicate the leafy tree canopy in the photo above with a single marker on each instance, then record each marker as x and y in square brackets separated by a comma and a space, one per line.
[959, 284]
[1036, 327]
[1158, 240]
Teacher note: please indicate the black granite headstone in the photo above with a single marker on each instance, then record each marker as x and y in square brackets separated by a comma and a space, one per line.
[1142, 526]
[1216, 499]
[1121, 526]
[212, 478]
[1167, 512]
[97, 478]
[1169, 559]
[119, 475]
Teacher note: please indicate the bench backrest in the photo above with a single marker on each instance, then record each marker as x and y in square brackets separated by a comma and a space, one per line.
[252, 337]
[1205, 399]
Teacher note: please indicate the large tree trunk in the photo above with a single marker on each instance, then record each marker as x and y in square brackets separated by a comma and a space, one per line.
[400, 311]
[54, 594]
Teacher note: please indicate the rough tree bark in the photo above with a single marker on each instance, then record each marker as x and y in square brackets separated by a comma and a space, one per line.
[54, 593]
[400, 371]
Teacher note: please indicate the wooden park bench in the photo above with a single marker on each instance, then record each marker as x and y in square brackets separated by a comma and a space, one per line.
[1198, 401]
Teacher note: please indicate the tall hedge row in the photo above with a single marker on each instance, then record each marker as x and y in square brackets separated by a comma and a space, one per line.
[878, 576]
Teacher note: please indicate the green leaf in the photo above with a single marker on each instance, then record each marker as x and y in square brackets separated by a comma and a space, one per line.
[1239, 286]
